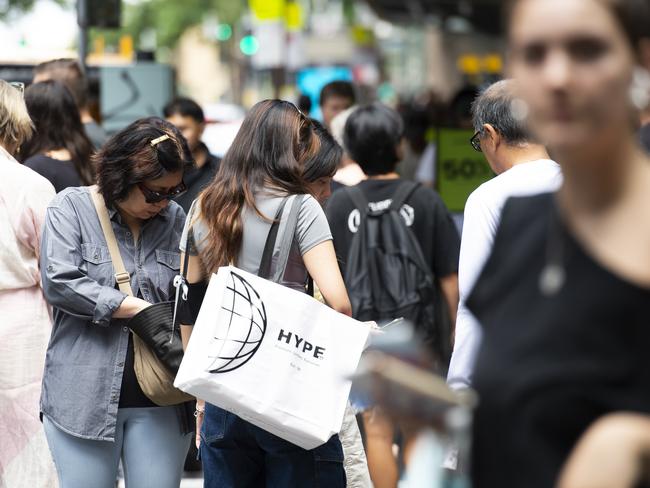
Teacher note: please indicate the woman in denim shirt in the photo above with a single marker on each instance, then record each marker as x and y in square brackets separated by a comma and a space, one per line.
[94, 411]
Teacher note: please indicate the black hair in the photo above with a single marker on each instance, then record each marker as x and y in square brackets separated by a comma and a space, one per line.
[58, 125]
[129, 157]
[185, 107]
[69, 72]
[304, 104]
[326, 161]
[460, 106]
[372, 135]
[339, 88]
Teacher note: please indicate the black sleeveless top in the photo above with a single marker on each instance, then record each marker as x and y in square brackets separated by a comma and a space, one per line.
[550, 365]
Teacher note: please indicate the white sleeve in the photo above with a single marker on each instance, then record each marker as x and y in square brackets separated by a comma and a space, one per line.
[479, 228]
[426, 170]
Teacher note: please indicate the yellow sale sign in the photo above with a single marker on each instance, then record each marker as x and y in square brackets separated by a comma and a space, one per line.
[267, 9]
[459, 168]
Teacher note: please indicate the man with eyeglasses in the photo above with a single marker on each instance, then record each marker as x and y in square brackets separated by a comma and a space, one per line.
[524, 168]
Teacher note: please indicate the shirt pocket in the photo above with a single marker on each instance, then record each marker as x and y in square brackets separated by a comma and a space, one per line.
[169, 265]
[98, 264]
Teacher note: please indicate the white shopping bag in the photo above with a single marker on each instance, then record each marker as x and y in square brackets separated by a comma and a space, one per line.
[273, 356]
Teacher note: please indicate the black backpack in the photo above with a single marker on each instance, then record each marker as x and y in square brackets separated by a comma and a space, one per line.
[386, 274]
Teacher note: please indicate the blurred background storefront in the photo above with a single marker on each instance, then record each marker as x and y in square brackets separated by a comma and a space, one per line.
[427, 58]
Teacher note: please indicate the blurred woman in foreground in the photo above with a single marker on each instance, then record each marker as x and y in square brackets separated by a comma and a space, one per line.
[564, 299]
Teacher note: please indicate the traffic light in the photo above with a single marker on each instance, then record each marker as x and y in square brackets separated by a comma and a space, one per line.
[249, 45]
[103, 13]
[223, 32]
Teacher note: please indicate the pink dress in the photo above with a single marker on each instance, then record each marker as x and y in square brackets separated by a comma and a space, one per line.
[25, 325]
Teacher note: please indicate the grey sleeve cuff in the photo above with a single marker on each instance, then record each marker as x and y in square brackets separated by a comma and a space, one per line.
[108, 301]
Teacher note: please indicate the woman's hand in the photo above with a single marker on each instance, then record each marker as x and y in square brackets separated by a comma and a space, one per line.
[200, 414]
[130, 306]
[610, 454]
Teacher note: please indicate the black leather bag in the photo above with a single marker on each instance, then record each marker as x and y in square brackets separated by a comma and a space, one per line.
[159, 328]
[155, 326]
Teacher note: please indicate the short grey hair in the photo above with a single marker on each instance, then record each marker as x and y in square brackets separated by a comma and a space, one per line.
[494, 106]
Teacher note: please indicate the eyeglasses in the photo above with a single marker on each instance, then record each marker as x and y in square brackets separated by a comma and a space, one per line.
[18, 85]
[151, 196]
[475, 141]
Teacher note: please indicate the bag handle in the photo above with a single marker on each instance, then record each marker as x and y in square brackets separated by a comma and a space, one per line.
[180, 280]
[269, 246]
[122, 277]
[286, 241]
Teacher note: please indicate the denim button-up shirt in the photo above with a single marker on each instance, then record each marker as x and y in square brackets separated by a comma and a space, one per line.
[87, 350]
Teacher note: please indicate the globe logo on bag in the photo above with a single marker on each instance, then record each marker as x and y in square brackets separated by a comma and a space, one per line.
[246, 325]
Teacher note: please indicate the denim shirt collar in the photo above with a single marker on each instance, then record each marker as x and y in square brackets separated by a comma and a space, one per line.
[113, 214]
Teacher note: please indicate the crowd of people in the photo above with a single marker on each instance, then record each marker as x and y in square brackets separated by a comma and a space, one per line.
[540, 307]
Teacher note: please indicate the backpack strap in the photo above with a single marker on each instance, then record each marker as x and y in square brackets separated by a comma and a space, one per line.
[403, 193]
[358, 198]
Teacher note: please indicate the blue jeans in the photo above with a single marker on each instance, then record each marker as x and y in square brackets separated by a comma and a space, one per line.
[236, 454]
[148, 440]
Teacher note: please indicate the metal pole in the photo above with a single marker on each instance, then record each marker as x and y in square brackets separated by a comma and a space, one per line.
[82, 20]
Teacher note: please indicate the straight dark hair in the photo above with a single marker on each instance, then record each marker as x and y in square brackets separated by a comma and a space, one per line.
[338, 88]
[185, 107]
[372, 135]
[269, 152]
[57, 125]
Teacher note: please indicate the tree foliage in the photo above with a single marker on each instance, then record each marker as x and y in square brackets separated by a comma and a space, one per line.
[8, 7]
[170, 18]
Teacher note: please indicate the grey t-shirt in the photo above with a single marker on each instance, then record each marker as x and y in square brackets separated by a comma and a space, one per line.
[312, 229]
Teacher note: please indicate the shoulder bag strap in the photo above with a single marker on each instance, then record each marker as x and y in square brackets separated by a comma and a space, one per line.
[269, 246]
[286, 239]
[190, 235]
[122, 277]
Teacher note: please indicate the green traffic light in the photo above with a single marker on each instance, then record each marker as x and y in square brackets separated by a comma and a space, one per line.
[224, 32]
[249, 45]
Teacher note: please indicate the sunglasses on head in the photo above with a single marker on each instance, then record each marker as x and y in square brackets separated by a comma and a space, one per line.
[152, 196]
[18, 85]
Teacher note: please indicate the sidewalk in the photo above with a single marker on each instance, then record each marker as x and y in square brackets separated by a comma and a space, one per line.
[190, 480]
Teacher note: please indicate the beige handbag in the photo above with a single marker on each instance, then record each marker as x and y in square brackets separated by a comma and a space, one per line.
[154, 378]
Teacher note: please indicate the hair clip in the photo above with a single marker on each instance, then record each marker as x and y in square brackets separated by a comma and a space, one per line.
[158, 140]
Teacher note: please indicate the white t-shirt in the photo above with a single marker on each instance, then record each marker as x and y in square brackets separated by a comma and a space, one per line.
[426, 170]
[482, 215]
